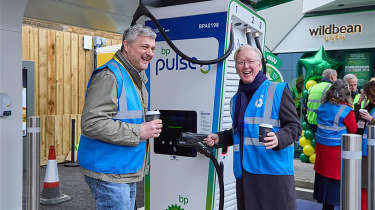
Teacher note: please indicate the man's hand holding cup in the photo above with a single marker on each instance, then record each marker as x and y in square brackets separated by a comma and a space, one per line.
[152, 127]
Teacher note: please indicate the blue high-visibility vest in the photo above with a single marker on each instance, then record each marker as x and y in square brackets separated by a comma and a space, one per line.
[101, 157]
[364, 137]
[264, 107]
[331, 123]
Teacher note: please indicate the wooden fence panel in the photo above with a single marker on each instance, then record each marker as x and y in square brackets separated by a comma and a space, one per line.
[81, 73]
[89, 66]
[67, 88]
[50, 131]
[43, 72]
[60, 69]
[34, 56]
[116, 42]
[26, 42]
[43, 152]
[57, 130]
[67, 133]
[51, 72]
[108, 42]
[75, 69]
[60, 156]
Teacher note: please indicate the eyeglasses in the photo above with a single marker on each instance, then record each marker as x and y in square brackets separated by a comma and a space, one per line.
[243, 63]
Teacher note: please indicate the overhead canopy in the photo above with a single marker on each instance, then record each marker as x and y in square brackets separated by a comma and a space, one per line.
[105, 15]
[109, 15]
[264, 4]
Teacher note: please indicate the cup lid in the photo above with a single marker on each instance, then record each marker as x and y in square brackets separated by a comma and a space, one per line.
[152, 112]
[265, 125]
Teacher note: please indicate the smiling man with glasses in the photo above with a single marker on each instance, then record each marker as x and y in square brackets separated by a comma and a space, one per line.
[263, 167]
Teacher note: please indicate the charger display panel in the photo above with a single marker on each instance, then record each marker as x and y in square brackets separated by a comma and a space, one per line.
[175, 122]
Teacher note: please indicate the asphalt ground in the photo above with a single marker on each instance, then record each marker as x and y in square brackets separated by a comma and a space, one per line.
[72, 183]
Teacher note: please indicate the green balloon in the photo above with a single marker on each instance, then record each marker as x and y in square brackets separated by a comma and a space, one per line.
[316, 64]
[305, 126]
[305, 93]
[313, 143]
[304, 158]
[309, 134]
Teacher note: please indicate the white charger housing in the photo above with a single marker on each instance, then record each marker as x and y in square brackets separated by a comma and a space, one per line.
[5, 105]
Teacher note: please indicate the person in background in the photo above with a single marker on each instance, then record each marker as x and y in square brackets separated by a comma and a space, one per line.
[112, 150]
[352, 81]
[297, 94]
[335, 117]
[263, 168]
[317, 92]
[365, 116]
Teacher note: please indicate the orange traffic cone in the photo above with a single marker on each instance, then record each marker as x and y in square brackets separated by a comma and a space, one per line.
[51, 193]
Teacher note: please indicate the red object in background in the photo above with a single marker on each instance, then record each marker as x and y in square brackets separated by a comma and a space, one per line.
[364, 199]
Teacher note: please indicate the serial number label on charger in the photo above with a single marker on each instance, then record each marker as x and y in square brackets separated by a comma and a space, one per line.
[209, 25]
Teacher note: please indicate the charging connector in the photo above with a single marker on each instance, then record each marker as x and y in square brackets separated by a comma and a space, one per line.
[195, 140]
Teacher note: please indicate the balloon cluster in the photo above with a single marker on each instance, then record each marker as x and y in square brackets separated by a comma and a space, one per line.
[316, 64]
[307, 141]
[314, 67]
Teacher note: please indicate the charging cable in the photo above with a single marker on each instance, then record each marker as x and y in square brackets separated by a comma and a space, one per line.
[142, 10]
[195, 140]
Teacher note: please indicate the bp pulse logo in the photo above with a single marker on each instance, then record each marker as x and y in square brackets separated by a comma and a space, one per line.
[176, 63]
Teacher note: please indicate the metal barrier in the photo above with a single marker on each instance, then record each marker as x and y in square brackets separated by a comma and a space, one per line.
[351, 165]
[72, 162]
[33, 163]
[371, 167]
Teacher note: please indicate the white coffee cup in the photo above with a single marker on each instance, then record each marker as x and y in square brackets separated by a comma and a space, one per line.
[363, 111]
[152, 115]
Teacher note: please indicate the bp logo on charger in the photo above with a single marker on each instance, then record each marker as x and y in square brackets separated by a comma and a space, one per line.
[205, 71]
[172, 62]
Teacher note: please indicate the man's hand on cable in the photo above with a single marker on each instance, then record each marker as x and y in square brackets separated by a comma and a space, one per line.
[271, 140]
[151, 129]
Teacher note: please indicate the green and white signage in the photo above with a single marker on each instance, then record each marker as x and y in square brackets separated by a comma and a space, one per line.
[273, 65]
[359, 65]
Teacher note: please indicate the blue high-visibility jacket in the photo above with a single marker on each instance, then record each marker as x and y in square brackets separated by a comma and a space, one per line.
[264, 107]
[103, 157]
[364, 138]
[331, 123]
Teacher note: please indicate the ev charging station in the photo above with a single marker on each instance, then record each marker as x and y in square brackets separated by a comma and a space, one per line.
[193, 98]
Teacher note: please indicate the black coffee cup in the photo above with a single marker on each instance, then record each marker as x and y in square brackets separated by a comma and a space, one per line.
[152, 115]
[264, 129]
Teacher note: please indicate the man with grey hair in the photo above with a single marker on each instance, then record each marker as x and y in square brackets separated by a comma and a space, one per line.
[352, 81]
[113, 149]
[330, 74]
[317, 92]
[266, 159]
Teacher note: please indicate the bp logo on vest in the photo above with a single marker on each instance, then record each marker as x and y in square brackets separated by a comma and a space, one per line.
[259, 102]
[169, 61]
